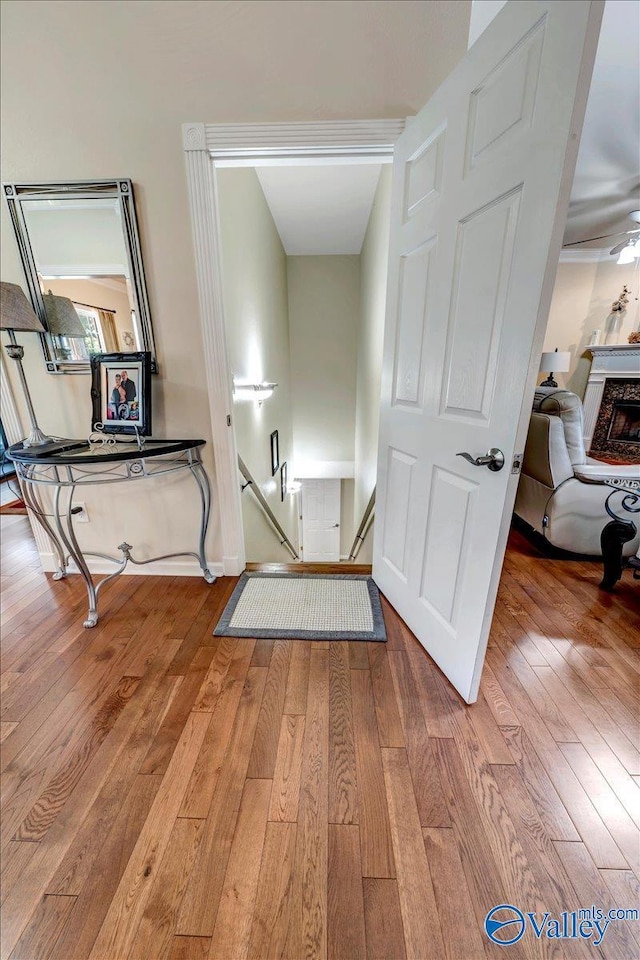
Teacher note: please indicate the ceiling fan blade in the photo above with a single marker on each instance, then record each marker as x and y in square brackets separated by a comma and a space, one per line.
[605, 236]
[620, 246]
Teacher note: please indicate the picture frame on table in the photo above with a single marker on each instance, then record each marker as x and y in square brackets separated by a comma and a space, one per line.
[275, 452]
[121, 392]
[283, 481]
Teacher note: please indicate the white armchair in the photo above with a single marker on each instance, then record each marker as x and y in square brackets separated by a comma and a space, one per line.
[561, 493]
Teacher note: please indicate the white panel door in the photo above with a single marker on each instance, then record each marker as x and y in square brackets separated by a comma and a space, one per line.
[481, 184]
[321, 521]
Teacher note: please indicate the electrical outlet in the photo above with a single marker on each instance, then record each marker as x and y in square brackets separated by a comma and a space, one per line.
[80, 513]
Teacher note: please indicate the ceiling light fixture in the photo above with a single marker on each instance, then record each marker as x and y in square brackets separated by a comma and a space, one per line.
[628, 253]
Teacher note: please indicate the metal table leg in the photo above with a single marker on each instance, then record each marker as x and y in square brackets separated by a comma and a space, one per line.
[68, 537]
[612, 539]
[201, 478]
[36, 506]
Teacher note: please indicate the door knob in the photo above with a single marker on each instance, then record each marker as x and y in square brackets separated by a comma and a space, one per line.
[494, 459]
[336, 525]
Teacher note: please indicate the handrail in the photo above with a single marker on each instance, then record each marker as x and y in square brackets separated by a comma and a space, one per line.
[250, 482]
[365, 526]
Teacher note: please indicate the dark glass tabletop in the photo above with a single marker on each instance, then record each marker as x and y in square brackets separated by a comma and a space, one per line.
[72, 452]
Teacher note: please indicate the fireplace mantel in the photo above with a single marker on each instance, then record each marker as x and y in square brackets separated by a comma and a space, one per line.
[619, 361]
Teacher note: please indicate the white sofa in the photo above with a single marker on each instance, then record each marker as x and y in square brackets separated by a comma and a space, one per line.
[561, 493]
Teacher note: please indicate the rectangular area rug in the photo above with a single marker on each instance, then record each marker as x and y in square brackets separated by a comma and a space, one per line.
[303, 607]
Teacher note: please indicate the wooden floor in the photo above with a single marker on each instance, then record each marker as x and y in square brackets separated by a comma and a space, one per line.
[168, 794]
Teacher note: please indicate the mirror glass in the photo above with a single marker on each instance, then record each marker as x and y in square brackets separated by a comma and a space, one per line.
[79, 243]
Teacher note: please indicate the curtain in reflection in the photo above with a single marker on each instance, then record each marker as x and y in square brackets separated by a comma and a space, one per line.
[109, 331]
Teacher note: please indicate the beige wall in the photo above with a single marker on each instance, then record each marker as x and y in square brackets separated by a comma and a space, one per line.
[324, 303]
[100, 89]
[255, 302]
[373, 272]
[581, 303]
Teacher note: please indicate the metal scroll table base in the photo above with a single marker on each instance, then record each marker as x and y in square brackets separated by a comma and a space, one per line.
[58, 525]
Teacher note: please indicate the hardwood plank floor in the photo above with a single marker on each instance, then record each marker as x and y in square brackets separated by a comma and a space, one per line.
[171, 795]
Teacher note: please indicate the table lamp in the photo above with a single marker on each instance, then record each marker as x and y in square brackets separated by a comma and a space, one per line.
[16, 313]
[62, 317]
[558, 361]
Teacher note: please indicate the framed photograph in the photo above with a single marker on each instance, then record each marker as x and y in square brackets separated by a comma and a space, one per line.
[283, 481]
[275, 453]
[121, 392]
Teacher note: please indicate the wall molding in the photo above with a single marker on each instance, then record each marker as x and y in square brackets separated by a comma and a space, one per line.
[203, 204]
[203, 145]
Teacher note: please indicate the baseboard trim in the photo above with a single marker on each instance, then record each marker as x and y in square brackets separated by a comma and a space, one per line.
[232, 567]
[159, 568]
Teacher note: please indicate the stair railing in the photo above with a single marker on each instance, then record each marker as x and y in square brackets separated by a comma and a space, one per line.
[365, 526]
[250, 482]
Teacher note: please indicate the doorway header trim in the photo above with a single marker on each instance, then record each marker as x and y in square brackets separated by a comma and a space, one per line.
[325, 138]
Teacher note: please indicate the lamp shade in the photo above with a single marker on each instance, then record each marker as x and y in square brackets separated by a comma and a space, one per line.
[557, 361]
[16, 313]
[62, 317]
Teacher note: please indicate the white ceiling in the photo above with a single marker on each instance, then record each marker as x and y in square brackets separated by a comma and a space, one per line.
[606, 185]
[320, 210]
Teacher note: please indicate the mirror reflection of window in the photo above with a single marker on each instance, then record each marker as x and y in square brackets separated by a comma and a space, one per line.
[81, 348]
[102, 306]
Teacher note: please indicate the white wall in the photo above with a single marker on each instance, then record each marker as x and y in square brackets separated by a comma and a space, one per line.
[100, 89]
[255, 301]
[373, 289]
[324, 305]
[581, 303]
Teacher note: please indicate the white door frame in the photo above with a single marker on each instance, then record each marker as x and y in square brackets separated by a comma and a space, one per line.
[207, 146]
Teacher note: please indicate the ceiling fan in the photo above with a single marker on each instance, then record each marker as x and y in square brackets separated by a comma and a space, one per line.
[630, 245]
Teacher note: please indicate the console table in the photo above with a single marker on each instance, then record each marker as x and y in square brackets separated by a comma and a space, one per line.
[65, 465]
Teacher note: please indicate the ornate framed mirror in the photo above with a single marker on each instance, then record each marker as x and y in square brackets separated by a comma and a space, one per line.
[79, 242]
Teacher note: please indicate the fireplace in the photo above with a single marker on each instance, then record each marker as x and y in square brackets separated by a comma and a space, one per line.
[624, 425]
[617, 430]
[614, 378]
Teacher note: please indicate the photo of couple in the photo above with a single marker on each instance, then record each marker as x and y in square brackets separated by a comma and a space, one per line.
[123, 398]
[121, 392]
